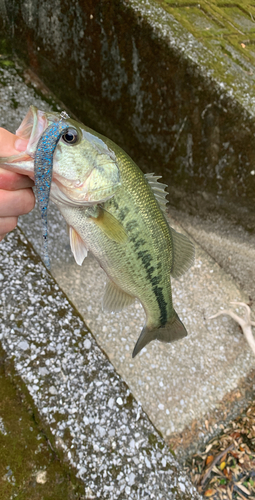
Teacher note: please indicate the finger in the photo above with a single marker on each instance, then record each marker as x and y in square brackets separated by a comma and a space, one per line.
[21, 144]
[7, 143]
[12, 181]
[7, 224]
[15, 203]
[10, 144]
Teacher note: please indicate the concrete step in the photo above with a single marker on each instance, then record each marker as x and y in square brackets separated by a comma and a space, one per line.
[227, 242]
[177, 92]
[29, 464]
[183, 387]
[78, 398]
[186, 389]
[83, 407]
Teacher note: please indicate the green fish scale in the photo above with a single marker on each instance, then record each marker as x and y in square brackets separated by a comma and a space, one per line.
[141, 265]
[147, 258]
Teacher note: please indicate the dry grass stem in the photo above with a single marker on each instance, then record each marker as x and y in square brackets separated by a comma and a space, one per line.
[245, 323]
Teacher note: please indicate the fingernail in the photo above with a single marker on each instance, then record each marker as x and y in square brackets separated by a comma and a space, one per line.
[21, 144]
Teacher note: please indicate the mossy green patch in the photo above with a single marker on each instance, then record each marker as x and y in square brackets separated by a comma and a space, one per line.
[6, 62]
[29, 466]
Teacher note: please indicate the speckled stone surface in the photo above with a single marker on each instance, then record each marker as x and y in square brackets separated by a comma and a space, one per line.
[74, 385]
[230, 244]
[175, 383]
[91, 412]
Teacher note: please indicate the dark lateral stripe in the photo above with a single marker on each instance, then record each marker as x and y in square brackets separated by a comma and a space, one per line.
[158, 291]
[146, 259]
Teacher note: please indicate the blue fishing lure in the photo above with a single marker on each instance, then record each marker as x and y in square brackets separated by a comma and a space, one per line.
[43, 165]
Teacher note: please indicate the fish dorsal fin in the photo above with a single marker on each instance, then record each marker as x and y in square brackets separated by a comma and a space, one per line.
[115, 299]
[183, 253]
[110, 226]
[158, 189]
[77, 246]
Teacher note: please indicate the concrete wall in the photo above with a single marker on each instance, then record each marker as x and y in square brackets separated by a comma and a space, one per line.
[129, 70]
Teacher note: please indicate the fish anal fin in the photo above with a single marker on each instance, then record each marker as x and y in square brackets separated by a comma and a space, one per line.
[183, 254]
[158, 189]
[172, 331]
[115, 299]
[110, 226]
[77, 246]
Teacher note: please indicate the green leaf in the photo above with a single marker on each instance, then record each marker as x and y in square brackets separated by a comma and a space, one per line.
[223, 481]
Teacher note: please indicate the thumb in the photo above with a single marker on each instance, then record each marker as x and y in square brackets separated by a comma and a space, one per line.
[10, 144]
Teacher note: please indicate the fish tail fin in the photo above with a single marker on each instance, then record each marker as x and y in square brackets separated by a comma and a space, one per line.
[171, 331]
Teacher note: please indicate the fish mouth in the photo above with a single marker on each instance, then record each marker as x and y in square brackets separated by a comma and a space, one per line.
[32, 127]
[74, 192]
[30, 130]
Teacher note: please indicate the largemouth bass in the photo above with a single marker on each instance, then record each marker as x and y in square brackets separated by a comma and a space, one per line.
[116, 212]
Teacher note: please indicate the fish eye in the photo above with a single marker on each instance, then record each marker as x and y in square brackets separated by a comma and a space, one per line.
[71, 136]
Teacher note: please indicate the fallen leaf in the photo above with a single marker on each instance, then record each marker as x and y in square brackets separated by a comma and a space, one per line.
[222, 465]
[235, 435]
[210, 446]
[229, 493]
[227, 473]
[209, 459]
[210, 492]
[242, 488]
[217, 471]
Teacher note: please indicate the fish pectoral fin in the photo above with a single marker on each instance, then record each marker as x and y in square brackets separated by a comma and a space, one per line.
[110, 226]
[183, 254]
[115, 299]
[77, 246]
[173, 330]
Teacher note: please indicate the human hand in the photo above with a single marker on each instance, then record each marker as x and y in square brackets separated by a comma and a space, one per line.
[16, 196]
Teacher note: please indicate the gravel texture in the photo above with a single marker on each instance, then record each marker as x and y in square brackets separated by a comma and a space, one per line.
[175, 383]
[90, 410]
[91, 413]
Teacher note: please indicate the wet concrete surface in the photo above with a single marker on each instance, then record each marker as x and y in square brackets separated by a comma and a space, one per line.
[30, 467]
[179, 385]
[227, 242]
[98, 427]
[170, 81]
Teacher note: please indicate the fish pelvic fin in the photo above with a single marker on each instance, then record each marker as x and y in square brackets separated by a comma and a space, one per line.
[77, 246]
[171, 331]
